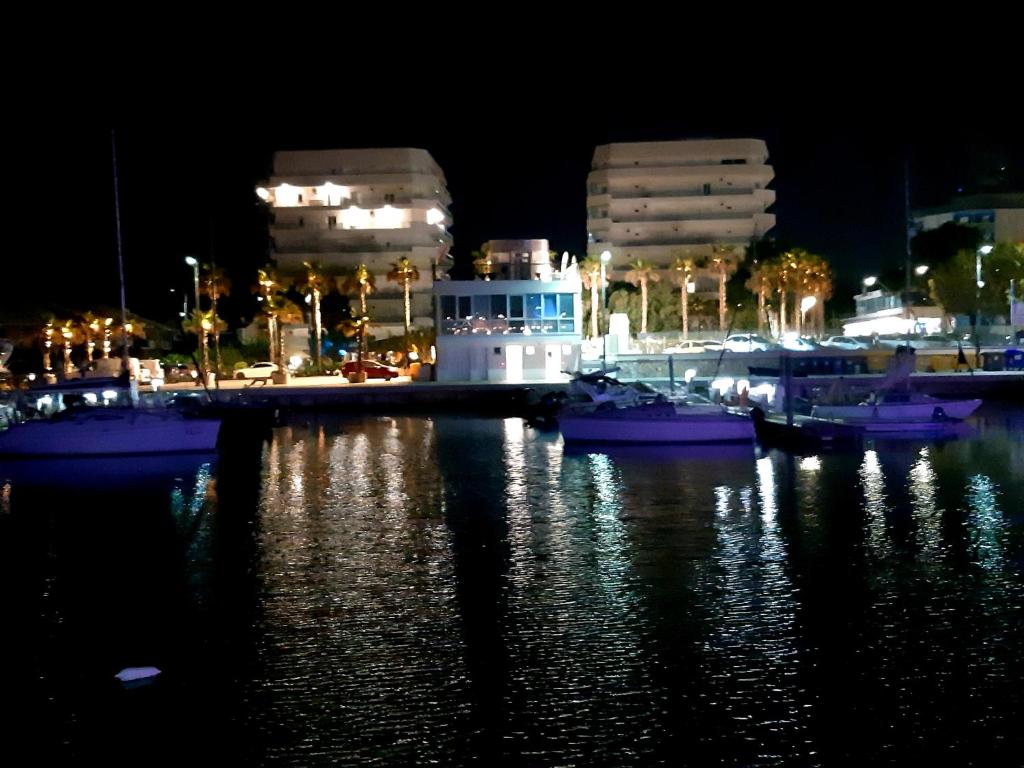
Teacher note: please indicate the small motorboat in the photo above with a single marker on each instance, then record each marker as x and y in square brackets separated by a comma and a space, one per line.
[657, 422]
[913, 407]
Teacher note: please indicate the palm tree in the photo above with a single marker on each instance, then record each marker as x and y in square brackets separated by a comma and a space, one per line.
[50, 335]
[69, 332]
[269, 290]
[215, 285]
[404, 273]
[641, 274]
[90, 326]
[313, 288]
[360, 281]
[482, 262]
[763, 281]
[590, 274]
[202, 324]
[725, 259]
[683, 276]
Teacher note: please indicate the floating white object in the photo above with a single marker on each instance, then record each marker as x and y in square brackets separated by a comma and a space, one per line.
[136, 673]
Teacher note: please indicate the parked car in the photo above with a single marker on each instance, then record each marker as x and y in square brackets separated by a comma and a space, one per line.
[372, 368]
[256, 371]
[796, 343]
[747, 342]
[694, 346]
[844, 342]
[180, 372]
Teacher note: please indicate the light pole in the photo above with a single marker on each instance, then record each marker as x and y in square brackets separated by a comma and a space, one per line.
[985, 250]
[194, 263]
[200, 321]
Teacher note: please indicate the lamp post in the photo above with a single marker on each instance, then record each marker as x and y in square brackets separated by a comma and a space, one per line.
[200, 322]
[985, 250]
[194, 263]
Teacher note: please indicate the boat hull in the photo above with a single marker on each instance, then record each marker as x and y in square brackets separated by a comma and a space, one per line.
[899, 412]
[642, 425]
[109, 433]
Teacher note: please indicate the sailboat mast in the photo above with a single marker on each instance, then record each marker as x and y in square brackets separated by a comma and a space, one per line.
[120, 258]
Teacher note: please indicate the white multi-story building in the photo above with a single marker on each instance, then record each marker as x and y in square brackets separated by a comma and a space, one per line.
[523, 324]
[999, 217]
[346, 207]
[661, 200]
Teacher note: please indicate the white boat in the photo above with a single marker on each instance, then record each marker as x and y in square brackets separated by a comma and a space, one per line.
[660, 422]
[899, 407]
[99, 431]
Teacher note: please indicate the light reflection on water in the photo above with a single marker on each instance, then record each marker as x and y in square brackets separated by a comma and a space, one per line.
[450, 591]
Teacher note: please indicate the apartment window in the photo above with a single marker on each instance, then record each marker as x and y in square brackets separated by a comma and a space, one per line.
[389, 198]
[499, 305]
[332, 222]
[302, 222]
[448, 307]
[300, 197]
[707, 189]
[465, 306]
[515, 306]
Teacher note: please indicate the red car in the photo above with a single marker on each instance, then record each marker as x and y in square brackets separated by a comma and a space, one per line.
[372, 368]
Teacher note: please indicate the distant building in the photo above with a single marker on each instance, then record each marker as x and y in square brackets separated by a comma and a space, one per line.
[524, 323]
[883, 312]
[999, 217]
[660, 200]
[345, 207]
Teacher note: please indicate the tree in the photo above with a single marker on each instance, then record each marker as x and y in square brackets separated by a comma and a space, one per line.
[215, 284]
[725, 260]
[313, 288]
[641, 274]
[954, 284]
[405, 274]
[590, 274]
[683, 276]
[763, 282]
[202, 324]
[482, 265]
[360, 281]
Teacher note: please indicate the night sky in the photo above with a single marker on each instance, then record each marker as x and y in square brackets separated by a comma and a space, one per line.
[187, 186]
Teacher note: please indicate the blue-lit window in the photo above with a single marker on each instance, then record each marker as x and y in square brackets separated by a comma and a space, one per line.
[533, 306]
[550, 305]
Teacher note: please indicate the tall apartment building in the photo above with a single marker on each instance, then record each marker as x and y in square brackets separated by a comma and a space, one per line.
[664, 199]
[346, 207]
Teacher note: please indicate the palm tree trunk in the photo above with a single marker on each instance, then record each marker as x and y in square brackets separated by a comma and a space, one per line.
[408, 316]
[272, 339]
[593, 309]
[684, 299]
[317, 322]
[760, 309]
[643, 305]
[782, 313]
[721, 297]
[216, 332]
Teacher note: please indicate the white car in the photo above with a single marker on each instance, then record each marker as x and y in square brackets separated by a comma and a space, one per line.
[843, 342]
[747, 342]
[256, 371]
[694, 346]
[796, 344]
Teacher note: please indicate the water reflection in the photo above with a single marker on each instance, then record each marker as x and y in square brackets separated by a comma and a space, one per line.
[409, 590]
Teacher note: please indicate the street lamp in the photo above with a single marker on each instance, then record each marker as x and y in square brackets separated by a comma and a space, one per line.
[985, 250]
[194, 263]
[870, 281]
[921, 270]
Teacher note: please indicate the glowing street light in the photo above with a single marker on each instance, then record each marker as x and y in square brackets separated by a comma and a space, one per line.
[870, 281]
[921, 269]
